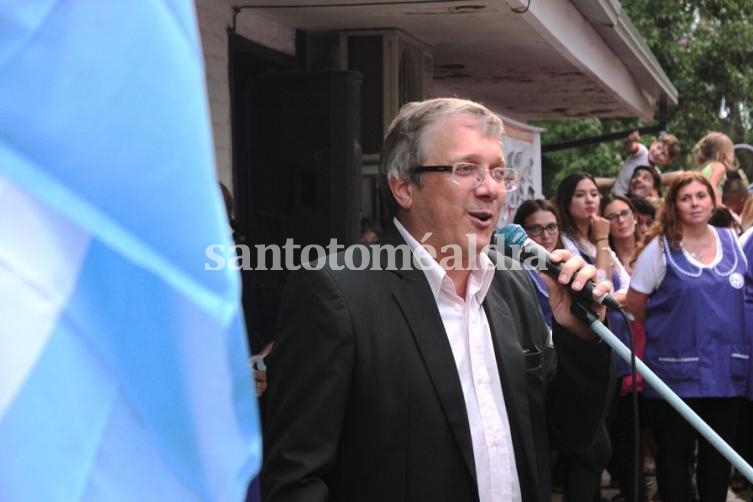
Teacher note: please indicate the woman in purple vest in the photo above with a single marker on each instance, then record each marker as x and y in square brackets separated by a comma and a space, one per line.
[687, 289]
[744, 444]
[746, 241]
[539, 219]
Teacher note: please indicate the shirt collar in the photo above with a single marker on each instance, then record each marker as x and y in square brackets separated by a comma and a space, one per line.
[479, 280]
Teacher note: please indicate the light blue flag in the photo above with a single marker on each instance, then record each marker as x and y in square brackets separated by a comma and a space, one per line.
[123, 362]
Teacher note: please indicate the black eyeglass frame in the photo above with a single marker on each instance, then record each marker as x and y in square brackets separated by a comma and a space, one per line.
[550, 229]
[620, 215]
[431, 169]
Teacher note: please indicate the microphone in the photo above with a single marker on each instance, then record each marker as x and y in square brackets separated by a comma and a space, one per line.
[517, 244]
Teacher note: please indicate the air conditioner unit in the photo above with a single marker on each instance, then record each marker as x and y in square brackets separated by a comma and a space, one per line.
[396, 69]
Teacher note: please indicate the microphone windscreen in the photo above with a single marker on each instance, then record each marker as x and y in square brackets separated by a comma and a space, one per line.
[510, 236]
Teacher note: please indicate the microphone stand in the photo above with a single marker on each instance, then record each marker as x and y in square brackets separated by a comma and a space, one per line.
[586, 315]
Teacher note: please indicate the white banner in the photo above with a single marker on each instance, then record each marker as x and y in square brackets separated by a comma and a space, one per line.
[522, 146]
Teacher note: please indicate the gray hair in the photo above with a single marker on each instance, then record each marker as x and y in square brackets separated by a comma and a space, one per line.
[404, 143]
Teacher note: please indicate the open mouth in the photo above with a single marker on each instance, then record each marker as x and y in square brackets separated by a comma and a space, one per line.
[482, 216]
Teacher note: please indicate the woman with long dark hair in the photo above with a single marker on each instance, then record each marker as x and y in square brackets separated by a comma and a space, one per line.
[584, 232]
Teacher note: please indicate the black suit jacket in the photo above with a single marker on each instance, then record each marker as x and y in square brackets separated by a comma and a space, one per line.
[365, 402]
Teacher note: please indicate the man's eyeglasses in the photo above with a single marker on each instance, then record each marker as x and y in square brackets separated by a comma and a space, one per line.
[536, 230]
[622, 215]
[472, 175]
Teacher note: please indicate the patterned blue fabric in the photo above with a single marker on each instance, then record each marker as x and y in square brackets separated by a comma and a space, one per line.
[123, 373]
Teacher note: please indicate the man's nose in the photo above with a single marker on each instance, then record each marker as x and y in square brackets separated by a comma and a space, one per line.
[490, 186]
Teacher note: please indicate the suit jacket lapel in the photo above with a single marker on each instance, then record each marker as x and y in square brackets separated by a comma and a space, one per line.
[512, 371]
[417, 303]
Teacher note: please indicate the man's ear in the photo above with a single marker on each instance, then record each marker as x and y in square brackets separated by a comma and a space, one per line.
[402, 190]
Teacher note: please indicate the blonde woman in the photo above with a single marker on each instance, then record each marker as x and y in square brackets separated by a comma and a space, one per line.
[714, 155]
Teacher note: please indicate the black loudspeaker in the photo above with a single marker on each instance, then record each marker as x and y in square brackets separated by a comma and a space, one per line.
[304, 172]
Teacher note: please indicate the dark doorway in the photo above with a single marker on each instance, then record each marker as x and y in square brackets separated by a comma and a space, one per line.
[296, 167]
[247, 61]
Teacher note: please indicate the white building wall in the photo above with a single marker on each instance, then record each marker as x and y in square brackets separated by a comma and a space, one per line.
[214, 19]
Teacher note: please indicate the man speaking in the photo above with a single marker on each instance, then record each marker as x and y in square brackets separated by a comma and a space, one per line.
[436, 379]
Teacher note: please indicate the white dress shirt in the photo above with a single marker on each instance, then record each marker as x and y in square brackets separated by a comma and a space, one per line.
[469, 334]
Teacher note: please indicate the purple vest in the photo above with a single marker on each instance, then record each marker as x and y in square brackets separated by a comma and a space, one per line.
[542, 294]
[696, 340]
[748, 250]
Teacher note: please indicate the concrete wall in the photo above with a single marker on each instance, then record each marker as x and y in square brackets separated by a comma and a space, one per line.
[215, 16]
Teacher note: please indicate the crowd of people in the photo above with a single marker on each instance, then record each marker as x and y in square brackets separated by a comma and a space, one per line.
[681, 262]
[477, 382]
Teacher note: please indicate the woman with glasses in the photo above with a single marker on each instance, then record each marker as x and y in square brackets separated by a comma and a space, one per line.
[624, 236]
[623, 227]
[688, 290]
[539, 219]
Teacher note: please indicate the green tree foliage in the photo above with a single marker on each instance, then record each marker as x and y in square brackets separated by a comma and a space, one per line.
[706, 49]
[603, 159]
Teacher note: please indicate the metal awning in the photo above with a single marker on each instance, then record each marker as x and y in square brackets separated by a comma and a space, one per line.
[559, 58]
